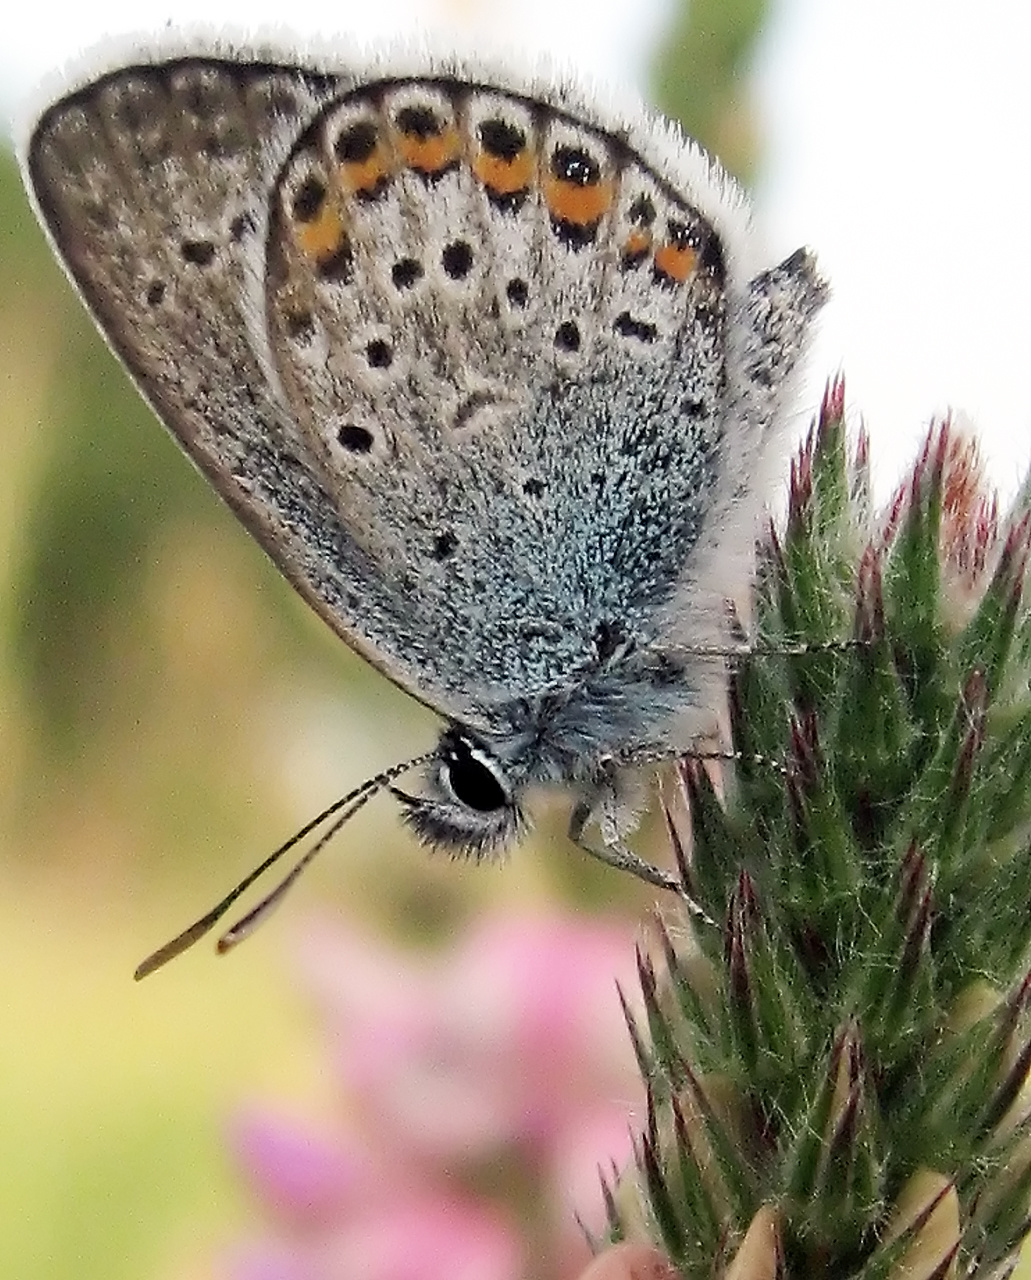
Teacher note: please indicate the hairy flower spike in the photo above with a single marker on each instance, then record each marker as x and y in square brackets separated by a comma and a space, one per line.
[838, 1081]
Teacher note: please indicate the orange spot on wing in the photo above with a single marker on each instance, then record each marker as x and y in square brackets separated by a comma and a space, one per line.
[365, 176]
[322, 237]
[581, 205]
[505, 177]
[637, 244]
[429, 155]
[676, 262]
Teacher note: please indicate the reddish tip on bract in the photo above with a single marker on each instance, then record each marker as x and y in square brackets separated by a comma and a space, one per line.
[630, 1261]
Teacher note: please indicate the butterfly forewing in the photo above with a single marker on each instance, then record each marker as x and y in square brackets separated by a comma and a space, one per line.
[418, 331]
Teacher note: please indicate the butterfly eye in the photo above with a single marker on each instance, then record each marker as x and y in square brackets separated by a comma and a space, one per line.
[469, 808]
[471, 778]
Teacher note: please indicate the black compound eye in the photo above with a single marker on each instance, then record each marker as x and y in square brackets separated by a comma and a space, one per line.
[471, 781]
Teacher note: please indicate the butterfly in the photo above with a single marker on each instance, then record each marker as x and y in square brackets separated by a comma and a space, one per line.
[494, 372]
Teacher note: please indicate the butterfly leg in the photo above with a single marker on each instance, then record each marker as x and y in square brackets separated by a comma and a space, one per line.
[615, 854]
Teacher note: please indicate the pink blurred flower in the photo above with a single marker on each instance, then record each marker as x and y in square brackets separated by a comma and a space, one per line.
[407, 1239]
[503, 1062]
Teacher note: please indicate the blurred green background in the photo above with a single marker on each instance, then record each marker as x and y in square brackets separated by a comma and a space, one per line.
[169, 712]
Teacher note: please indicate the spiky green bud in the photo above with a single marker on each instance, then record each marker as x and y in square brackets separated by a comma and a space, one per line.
[835, 1074]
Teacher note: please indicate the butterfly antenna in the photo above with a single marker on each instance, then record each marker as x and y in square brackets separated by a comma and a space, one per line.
[246, 925]
[801, 649]
[347, 806]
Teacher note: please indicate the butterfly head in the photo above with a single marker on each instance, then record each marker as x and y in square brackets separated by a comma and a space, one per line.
[469, 806]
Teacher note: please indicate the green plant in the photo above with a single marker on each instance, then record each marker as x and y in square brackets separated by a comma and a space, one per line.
[835, 1075]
